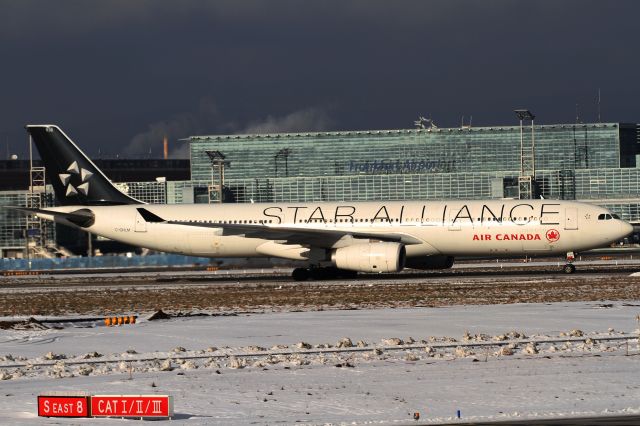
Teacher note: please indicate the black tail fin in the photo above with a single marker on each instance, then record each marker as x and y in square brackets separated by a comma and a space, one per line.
[75, 179]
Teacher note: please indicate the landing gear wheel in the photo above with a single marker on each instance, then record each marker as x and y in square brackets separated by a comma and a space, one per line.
[347, 275]
[331, 273]
[300, 274]
[320, 274]
[568, 268]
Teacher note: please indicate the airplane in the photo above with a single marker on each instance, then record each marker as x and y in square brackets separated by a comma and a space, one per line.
[334, 239]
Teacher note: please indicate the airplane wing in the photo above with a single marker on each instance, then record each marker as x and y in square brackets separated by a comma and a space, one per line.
[325, 238]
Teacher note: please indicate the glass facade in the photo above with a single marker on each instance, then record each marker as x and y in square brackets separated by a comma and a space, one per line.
[592, 162]
[420, 151]
[148, 192]
[13, 224]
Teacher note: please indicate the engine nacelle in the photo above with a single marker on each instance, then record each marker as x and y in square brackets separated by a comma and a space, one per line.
[429, 262]
[370, 257]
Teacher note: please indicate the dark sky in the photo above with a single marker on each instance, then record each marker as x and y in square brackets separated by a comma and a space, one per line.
[118, 75]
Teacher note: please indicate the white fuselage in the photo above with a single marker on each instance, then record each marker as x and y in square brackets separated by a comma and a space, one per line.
[495, 228]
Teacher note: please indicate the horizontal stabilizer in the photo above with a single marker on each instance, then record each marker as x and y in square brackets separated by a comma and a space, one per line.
[83, 217]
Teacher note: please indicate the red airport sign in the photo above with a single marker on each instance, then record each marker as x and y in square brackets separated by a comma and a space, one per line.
[63, 406]
[131, 406]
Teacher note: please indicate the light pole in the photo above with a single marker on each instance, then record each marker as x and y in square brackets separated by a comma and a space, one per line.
[526, 179]
[218, 163]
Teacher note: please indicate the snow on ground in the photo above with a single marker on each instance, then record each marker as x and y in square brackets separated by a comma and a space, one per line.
[568, 371]
[324, 326]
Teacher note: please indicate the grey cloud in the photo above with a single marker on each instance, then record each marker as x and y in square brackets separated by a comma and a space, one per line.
[120, 64]
[35, 18]
[309, 119]
[25, 19]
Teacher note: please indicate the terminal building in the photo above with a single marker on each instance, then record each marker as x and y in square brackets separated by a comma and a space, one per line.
[595, 162]
[590, 162]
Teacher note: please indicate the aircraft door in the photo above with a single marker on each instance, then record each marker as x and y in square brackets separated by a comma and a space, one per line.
[571, 218]
[141, 224]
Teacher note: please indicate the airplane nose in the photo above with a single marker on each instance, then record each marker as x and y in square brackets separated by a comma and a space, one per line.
[625, 228]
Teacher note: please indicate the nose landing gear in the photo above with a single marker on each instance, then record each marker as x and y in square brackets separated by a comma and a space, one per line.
[569, 267]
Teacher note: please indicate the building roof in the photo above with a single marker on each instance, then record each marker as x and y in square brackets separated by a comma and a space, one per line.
[393, 131]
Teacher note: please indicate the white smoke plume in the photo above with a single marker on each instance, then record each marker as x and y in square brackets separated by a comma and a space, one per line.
[179, 126]
[309, 119]
[208, 120]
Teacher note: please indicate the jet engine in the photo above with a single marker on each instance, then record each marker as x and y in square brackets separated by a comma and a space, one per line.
[429, 262]
[370, 257]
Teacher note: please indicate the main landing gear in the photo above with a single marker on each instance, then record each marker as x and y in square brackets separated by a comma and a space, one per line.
[328, 273]
[569, 267]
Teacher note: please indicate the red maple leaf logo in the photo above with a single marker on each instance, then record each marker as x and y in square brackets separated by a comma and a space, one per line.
[553, 235]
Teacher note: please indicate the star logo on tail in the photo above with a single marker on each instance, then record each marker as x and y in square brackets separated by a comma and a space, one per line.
[75, 174]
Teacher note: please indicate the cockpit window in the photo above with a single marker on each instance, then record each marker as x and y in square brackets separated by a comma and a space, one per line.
[615, 216]
[607, 216]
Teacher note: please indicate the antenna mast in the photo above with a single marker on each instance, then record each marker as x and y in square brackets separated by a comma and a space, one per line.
[599, 106]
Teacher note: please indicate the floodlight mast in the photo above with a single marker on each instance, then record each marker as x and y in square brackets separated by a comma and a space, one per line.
[283, 154]
[218, 164]
[526, 180]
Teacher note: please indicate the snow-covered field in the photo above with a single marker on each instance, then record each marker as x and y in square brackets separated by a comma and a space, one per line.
[362, 366]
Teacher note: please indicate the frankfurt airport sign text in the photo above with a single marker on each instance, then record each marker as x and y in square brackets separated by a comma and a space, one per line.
[401, 166]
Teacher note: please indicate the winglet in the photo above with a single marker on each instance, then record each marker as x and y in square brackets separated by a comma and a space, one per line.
[149, 217]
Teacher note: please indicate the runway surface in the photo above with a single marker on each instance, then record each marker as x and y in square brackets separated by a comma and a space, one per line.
[268, 290]
[629, 420]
